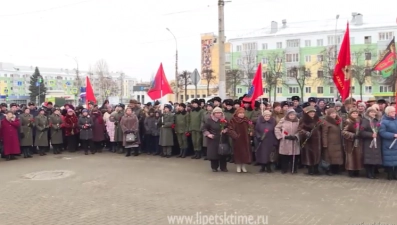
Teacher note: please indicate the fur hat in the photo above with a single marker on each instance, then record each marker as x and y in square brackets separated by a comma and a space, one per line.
[183, 105]
[284, 103]
[352, 110]
[209, 104]
[133, 101]
[202, 100]
[381, 101]
[229, 102]
[236, 102]
[168, 106]
[239, 110]
[338, 104]
[289, 111]
[312, 99]
[217, 110]
[276, 104]
[267, 113]
[330, 111]
[218, 99]
[295, 98]
[309, 109]
[196, 101]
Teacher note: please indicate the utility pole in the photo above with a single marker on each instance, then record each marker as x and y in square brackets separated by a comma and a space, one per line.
[122, 87]
[221, 34]
[176, 67]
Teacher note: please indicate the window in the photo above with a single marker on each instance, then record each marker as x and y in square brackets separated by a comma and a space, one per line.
[320, 90]
[332, 40]
[385, 36]
[264, 46]
[293, 43]
[308, 58]
[239, 90]
[279, 90]
[292, 73]
[293, 90]
[191, 96]
[368, 89]
[332, 90]
[308, 73]
[320, 58]
[265, 90]
[320, 74]
[250, 46]
[352, 40]
[238, 48]
[204, 96]
[293, 57]
[352, 89]
[320, 42]
[264, 74]
[279, 60]
[308, 90]
[279, 44]
[308, 43]
[385, 88]
[180, 98]
[367, 40]
[265, 60]
[368, 56]
[239, 61]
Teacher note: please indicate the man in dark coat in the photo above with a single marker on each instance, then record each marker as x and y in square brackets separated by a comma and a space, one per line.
[296, 101]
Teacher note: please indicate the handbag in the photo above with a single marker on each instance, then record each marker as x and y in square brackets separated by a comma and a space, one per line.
[224, 148]
[130, 137]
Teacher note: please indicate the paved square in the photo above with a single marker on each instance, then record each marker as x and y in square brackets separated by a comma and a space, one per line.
[112, 189]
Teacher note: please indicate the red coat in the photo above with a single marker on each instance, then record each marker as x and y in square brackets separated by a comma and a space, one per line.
[71, 123]
[9, 135]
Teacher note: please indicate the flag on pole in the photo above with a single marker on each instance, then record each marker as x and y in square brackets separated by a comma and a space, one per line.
[342, 71]
[387, 61]
[159, 87]
[89, 95]
[256, 88]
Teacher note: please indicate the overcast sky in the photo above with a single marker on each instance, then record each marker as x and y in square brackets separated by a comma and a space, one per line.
[131, 35]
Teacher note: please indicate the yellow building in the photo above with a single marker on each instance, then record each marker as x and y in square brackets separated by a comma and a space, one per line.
[209, 61]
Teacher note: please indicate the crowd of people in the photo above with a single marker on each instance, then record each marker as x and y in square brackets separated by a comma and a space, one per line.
[325, 138]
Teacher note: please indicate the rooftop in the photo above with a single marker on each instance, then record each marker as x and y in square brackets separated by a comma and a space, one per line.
[284, 28]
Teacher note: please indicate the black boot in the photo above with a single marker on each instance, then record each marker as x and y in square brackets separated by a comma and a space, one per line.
[136, 151]
[198, 155]
[310, 170]
[263, 168]
[180, 153]
[351, 173]
[194, 156]
[85, 151]
[390, 173]
[328, 172]
[128, 152]
[269, 168]
[369, 172]
[41, 152]
[231, 159]
[183, 153]
[315, 170]
[8, 157]
[13, 157]
[25, 154]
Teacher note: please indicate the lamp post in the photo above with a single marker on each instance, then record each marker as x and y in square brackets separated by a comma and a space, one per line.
[176, 66]
[78, 82]
[336, 46]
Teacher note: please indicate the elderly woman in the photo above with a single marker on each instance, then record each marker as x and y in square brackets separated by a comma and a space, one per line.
[371, 142]
[353, 144]
[71, 130]
[332, 141]
[286, 131]
[388, 134]
[215, 130]
[130, 126]
[310, 138]
[9, 135]
[361, 109]
[240, 129]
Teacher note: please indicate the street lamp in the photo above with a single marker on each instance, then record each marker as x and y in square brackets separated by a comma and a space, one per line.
[176, 65]
[78, 83]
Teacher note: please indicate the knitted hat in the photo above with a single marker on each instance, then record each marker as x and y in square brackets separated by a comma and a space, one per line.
[217, 110]
[267, 113]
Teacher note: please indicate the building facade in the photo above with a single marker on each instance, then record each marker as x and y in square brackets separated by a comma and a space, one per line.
[299, 58]
[15, 82]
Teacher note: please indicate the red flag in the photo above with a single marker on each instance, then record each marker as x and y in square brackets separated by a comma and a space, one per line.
[256, 89]
[160, 86]
[342, 72]
[89, 93]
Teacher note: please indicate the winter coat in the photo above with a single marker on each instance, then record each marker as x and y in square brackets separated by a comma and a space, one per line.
[71, 125]
[372, 155]
[239, 130]
[181, 122]
[277, 116]
[166, 132]
[311, 150]
[116, 118]
[388, 128]
[26, 128]
[354, 155]
[269, 143]
[195, 119]
[206, 115]
[10, 137]
[284, 128]
[331, 132]
[255, 115]
[106, 116]
[151, 126]
[130, 124]
[86, 127]
[229, 113]
[56, 125]
[42, 126]
[110, 130]
[248, 112]
[99, 128]
[213, 126]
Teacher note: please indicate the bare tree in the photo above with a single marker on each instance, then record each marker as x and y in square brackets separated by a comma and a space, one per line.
[122, 77]
[301, 76]
[274, 72]
[208, 77]
[233, 78]
[361, 68]
[248, 64]
[101, 69]
[185, 80]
